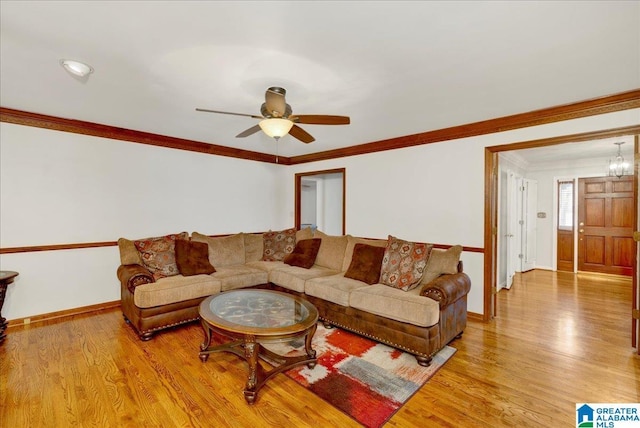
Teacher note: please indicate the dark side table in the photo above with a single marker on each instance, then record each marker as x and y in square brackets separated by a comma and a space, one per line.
[6, 278]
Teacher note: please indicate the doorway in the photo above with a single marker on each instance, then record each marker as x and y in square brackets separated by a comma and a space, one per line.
[491, 209]
[320, 201]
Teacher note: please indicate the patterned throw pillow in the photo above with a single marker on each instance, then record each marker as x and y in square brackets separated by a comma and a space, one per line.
[159, 255]
[403, 263]
[278, 244]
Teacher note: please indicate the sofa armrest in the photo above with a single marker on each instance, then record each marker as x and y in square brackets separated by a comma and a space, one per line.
[134, 275]
[446, 289]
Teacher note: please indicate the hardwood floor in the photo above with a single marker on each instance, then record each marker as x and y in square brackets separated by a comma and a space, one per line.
[559, 339]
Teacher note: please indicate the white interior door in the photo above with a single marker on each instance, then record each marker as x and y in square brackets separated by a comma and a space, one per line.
[508, 261]
[529, 192]
[512, 227]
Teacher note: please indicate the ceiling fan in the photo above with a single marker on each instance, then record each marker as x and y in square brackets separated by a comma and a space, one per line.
[277, 119]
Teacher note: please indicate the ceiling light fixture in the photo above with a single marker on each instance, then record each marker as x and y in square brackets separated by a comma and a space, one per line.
[276, 127]
[76, 67]
[618, 166]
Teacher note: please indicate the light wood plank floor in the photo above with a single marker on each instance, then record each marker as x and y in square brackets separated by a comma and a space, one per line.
[559, 339]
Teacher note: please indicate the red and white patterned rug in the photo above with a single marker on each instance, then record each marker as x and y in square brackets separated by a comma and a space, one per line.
[365, 379]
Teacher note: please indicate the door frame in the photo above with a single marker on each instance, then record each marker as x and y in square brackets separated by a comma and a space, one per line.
[491, 203]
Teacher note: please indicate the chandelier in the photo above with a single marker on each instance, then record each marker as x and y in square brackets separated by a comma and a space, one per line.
[618, 166]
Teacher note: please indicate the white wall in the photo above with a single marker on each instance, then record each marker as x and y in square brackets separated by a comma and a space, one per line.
[58, 188]
[332, 203]
[62, 188]
[435, 192]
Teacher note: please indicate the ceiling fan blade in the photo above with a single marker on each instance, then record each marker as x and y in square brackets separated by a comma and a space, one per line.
[276, 104]
[301, 134]
[249, 131]
[321, 119]
[228, 112]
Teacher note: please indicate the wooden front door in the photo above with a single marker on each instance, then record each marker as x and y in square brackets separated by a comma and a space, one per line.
[605, 225]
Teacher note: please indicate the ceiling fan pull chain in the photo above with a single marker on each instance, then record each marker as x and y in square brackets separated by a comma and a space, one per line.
[277, 139]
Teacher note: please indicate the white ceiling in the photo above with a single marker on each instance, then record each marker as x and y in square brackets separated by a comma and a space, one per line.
[597, 152]
[396, 68]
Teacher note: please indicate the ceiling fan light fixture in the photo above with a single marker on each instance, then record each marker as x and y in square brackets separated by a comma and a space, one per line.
[76, 67]
[276, 128]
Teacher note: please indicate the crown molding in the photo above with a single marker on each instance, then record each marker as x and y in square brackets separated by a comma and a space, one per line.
[596, 106]
[37, 120]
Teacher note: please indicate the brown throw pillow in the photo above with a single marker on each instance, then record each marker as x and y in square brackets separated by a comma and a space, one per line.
[403, 263]
[304, 254]
[192, 258]
[159, 254]
[278, 244]
[366, 263]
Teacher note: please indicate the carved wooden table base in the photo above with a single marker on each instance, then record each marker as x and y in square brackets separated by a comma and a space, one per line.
[253, 318]
[251, 350]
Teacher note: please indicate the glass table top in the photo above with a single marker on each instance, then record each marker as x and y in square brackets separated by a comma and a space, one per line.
[259, 308]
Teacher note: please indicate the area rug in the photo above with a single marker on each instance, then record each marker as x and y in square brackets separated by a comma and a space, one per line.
[365, 379]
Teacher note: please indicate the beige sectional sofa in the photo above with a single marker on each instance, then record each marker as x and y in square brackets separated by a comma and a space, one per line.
[420, 321]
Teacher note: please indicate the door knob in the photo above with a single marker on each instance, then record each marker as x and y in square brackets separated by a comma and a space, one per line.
[581, 231]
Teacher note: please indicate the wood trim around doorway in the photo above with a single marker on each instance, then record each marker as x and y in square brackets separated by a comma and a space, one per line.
[491, 203]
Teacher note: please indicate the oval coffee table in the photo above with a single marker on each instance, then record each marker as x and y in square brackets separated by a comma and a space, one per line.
[251, 318]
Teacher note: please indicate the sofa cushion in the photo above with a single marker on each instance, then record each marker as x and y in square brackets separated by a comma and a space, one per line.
[441, 262]
[366, 263]
[403, 263]
[223, 250]
[265, 266]
[192, 258]
[332, 249]
[304, 254]
[305, 233]
[129, 254]
[334, 288]
[239, 276]
[174, 289]
[351, 243]
[159, 255]
[389, 302]
[253, 247]
[294, 277]
[278, 244]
